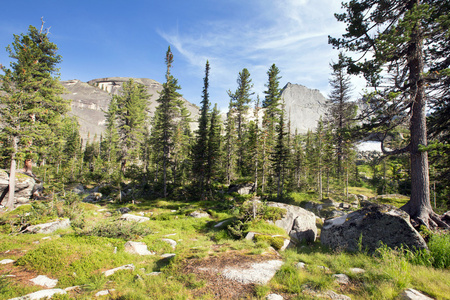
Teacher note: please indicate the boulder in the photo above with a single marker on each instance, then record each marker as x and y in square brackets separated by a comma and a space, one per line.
[242, 189]
[274, 297]
[124, 210]
[93, 197]
[412, 294]
[299, 223]
[79, 189]
[137, 248]
[112, 271]
[133, 218]
[370, 228]
[256, 273]
[199, 214]
[43, 294]
[342, 279]
[6, 261]
[171, 242]
[48, 227]
[44, 281]
[25, 186]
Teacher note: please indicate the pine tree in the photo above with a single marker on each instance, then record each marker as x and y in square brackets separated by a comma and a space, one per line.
[280, 153]
[31, 105]
[200, 154]
[240, 101]
[395, 33]
[214, 157]
[110, 143]
[165, 115]
[132, 120]
[230, 143]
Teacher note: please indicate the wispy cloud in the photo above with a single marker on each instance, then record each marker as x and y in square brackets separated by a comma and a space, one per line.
[293, 34]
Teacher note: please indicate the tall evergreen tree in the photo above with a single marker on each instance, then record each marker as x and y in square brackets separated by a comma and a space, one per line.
[341, 112]
[165, 115]
[132, 120]
[214, 158]
[280, 153]
[240, 101]
[200, 153]
[230, 141]
[31, 105]
[395, 33]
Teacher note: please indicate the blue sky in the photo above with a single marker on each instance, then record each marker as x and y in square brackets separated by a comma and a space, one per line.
[129, 38]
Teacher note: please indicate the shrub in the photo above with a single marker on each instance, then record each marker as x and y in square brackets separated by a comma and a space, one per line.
[275, 241]
[119, 229]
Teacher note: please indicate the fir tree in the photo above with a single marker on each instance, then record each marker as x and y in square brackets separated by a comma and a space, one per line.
[31, 105]
[214, 157]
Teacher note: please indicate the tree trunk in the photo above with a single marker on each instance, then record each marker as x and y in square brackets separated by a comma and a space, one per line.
[12, 174]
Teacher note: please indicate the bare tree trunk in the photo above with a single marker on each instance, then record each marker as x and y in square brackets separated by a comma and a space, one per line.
[12, 174]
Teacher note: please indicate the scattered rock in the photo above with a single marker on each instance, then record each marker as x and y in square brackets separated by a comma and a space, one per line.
[43, 294]
[342, 279]
[412, 294]
[171, 242]
[199, 214]
[371, 226]
[104, 292]
[44, 281]
[362, 197]
[48, 227]
[250, 235]
[72, 288]
[242, 189]
[330, 203]
[299, 223]
[335, 296]
[168, 255]
[323, 268]
[345, 205]
[124, 210]
[258, 273]
[139, 248]
[130, 217]
[25, 186]
[326, 295]
[79, 189]
[274, 297]
[6, 261]
[93, 198]
[300, 265]
[112, 271]
[357, 270]
[153, 274]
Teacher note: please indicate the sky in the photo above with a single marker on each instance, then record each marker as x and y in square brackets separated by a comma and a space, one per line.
[130, 38]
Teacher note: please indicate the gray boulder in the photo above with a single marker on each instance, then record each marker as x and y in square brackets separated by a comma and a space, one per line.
[299, 223]
[412, 294]
[371, 226]
[43, 294]
[48, 227]
[242, 189]
[25, 186]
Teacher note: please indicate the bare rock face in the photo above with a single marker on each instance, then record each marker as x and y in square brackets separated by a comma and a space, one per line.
[304, 105]
[91, 99]
[371, 227]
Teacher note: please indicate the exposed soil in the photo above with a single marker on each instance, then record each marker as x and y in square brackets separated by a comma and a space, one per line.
[209, 271]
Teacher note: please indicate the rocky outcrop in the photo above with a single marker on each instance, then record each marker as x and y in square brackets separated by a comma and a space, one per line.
[299, 223]
[91, 99]
[25, 186]
[304, 105]
[371, 227]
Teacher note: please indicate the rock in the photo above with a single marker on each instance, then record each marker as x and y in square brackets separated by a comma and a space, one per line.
[112, 271]
[124, 210]
[130, 217]
[43, 294]
[250, 235]
[242, 189]
[362, 197]
[25, 186]
[221, 223]
[299, 223]
[274, 297]
[171, 242]
[44, 281]
[93, 197]
[199, 214]
[335, 296]
[79, 189]
[342, 279]
[72, 288]
[300, 265]
[373, 225]
[104, 292]
[357, 270]
[345, 205]
[330, 203]
[168, 255]
[137, 248]
[336, 213]
[446, 216]
[257, 273]
[412, 294]
[49, 227]
[326, 295]
[153, 274]
[6, 261]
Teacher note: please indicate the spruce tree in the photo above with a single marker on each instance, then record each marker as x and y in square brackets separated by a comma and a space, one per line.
[280, 153]
[165, 115]
[31, 105]
[399, 36]
[200, 153]
[214, 157]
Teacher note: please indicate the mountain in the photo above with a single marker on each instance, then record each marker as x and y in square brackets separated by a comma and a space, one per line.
[91, 99]
[304, 105]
